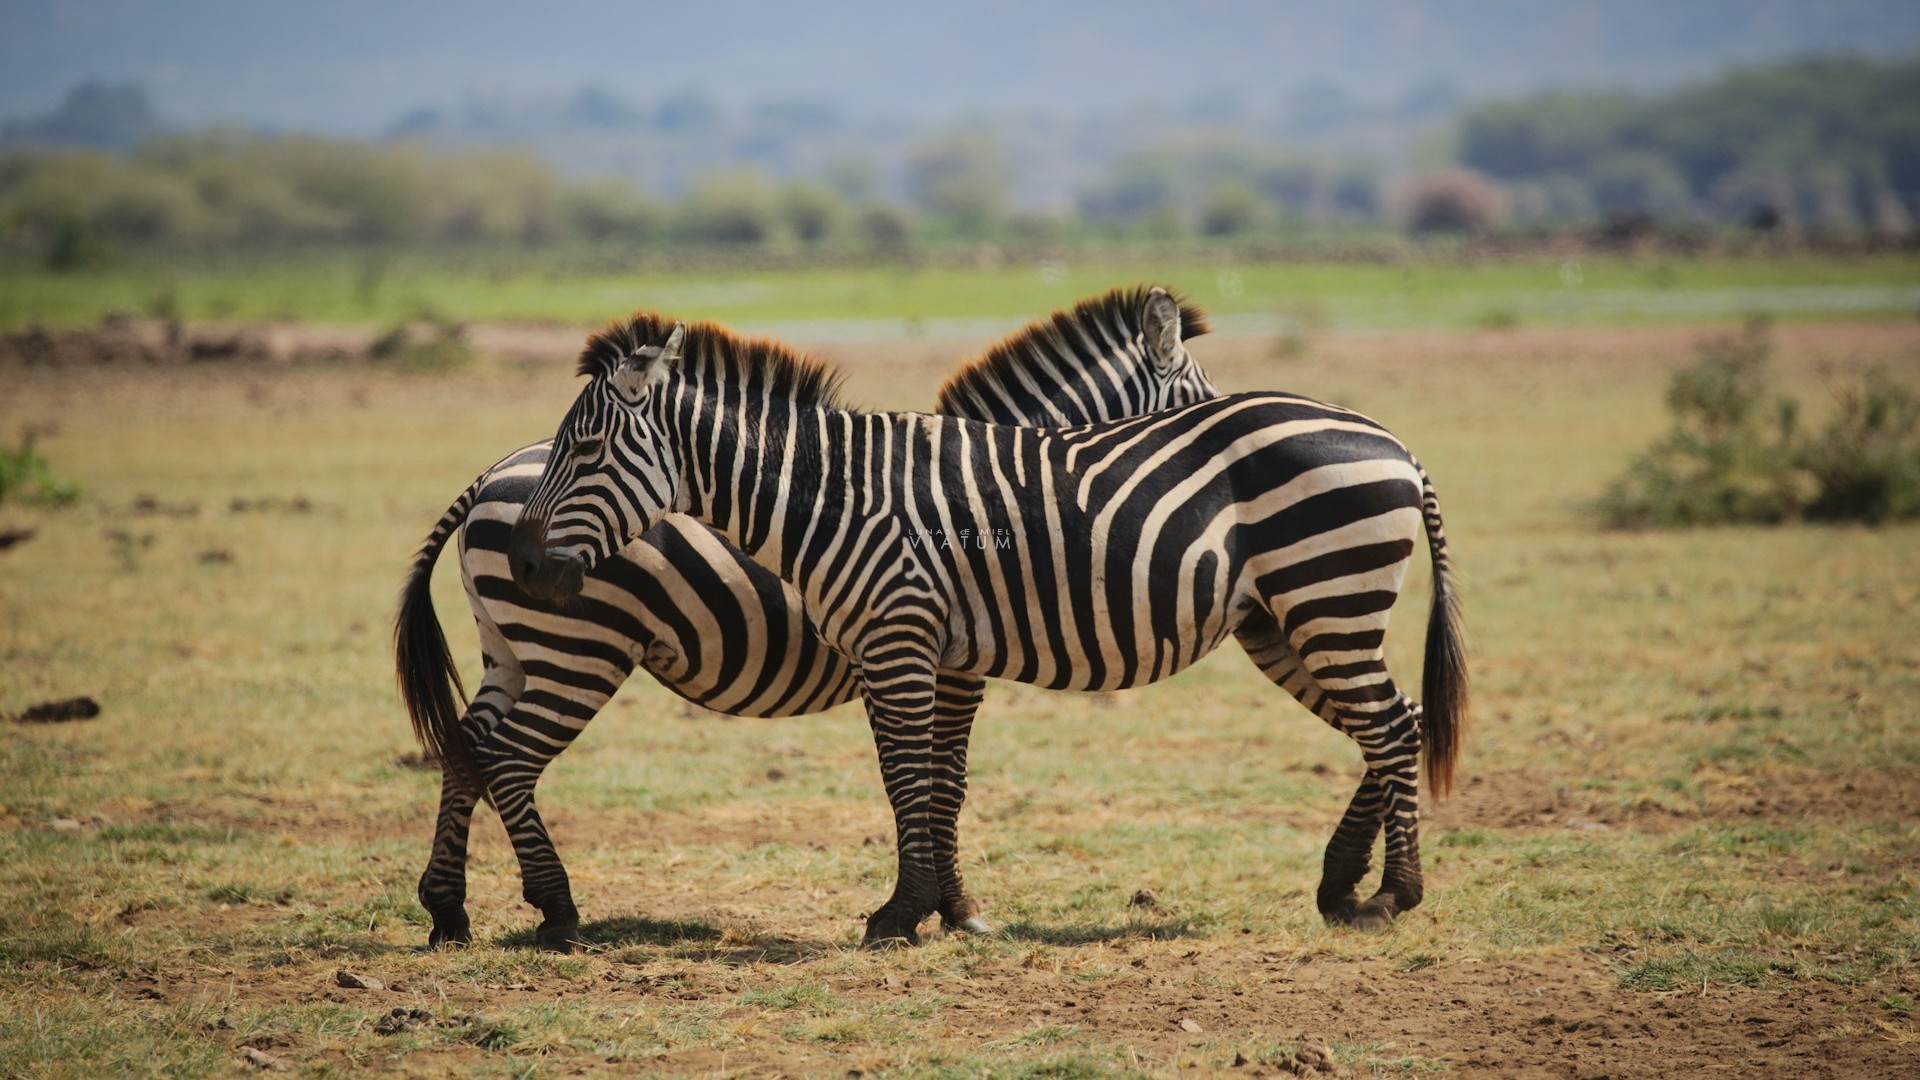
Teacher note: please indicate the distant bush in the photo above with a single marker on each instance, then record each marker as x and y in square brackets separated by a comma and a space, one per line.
[885, 228]
[428, 344]
[1452, 200]
[963, 179]
[614, 211]
[26, 477]
[1867, 463]
[811, 212]
[1736, 453]
[1233, 207]
[730, 208]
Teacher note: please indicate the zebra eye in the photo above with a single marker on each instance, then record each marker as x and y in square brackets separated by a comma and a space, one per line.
[588, 447]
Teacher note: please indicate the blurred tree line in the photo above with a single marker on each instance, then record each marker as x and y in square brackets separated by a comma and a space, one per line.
[1828, 144]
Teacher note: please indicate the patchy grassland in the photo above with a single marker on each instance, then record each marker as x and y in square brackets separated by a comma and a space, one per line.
[1687, 838]
[1427, 290]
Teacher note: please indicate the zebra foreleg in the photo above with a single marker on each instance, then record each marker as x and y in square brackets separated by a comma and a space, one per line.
[543, 723]
[899, 688]
[957, 699]
[543, 878]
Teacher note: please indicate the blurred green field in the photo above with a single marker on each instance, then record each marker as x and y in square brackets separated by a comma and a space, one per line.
[1432, 291]
[1687, 838]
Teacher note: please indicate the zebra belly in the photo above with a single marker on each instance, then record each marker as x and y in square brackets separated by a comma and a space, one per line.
[1116, 601]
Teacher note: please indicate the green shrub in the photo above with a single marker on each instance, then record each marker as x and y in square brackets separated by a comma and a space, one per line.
[26, 476]
[1736, 453]
[1867, 462]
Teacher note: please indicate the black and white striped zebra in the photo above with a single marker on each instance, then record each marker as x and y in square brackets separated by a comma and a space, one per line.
[1122, 552]
[693, 611]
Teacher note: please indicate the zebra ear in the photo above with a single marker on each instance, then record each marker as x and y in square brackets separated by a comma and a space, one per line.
[1160, 327]
[646, 367]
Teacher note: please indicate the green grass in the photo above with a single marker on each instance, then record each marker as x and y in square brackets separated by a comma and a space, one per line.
[1666, 727]
[1294, 297]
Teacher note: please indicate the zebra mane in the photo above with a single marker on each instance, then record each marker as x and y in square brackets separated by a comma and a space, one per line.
[714, 354]
[1059, 336]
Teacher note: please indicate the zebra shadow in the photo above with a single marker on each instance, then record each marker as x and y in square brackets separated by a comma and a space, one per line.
[684, 939]
[621, 932]
[1090, 933]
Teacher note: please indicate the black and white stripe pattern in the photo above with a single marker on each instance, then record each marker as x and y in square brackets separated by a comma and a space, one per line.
[692, 610]
[1115, 554]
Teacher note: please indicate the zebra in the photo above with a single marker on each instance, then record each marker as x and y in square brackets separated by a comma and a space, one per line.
[1137, 545]
[707, 622]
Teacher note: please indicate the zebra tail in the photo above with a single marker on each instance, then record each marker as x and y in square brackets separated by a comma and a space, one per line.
[429, 681]
[1443, 691]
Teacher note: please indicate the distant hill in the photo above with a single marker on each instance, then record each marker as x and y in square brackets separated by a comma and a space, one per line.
[94, 115]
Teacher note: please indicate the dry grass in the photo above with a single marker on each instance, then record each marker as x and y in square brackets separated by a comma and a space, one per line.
[1687, 837]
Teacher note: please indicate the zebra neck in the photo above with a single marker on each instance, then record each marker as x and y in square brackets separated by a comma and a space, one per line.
[1064, 378]
[753, 468]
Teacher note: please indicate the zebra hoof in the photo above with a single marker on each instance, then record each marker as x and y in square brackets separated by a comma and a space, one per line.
[888, 931]
[1375, 915]
[450, 930]
[558, 939]
[972, 924]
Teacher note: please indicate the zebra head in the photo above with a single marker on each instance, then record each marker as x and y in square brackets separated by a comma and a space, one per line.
[1177, 379]
[611, 473]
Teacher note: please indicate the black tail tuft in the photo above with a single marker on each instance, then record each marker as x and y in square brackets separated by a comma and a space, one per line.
[1444, 685]
[429, 681]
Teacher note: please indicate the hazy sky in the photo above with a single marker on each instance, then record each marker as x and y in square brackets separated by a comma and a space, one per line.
[354, 67]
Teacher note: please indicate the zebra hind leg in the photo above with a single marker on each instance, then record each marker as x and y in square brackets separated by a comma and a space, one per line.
[956, 700]
[1349, 857]
[443, 885]
[1349, 853]
[1390, 740]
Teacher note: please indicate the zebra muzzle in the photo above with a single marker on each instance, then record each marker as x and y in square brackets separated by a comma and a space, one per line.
[542, 573]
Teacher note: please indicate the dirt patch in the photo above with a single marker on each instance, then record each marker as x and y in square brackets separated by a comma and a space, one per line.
[1526, 800]
[1222, 1009]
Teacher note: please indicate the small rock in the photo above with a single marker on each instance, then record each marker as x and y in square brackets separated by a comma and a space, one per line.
[260, 1060]
[64, 824]
[776, 773]
[1190, 1025]
[1144, 898]
[354, 981]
